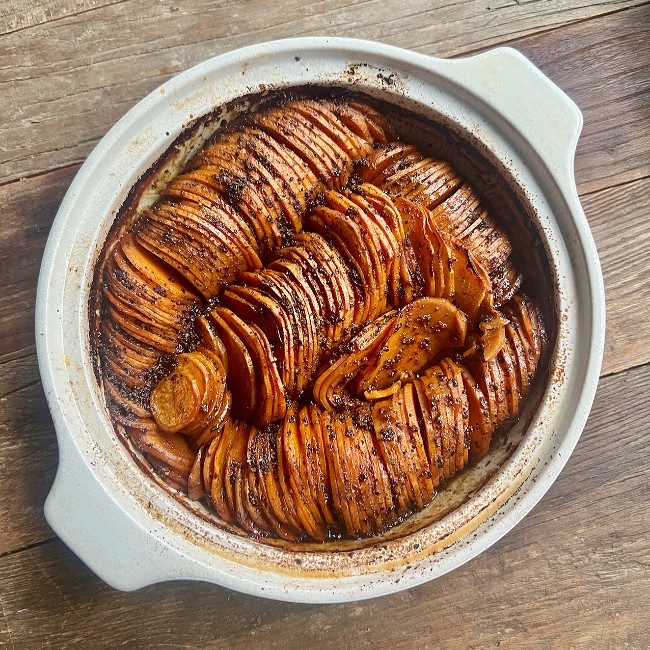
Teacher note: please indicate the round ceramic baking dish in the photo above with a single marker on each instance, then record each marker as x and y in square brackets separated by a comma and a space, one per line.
[129, 529]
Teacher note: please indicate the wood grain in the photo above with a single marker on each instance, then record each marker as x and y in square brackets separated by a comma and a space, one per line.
[29, 208]
[17, 14]
[623, 239]
[73, 78]
[574, 574]
[28, 454]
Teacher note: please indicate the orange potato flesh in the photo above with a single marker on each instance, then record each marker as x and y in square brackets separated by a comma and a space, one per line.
[385, 418]
[422, 329]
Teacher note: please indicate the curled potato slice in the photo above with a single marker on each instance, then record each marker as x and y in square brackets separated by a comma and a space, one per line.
[194, 396]
[420, 332]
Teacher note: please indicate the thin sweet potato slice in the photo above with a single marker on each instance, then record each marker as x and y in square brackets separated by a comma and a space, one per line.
[386, 424]
[460, 410]
[414, 427]
[422, 330]
[431, 251]
[345, 464]
[264, 465]
[242, 380]
[497, 384]
[270, 403]
[294, 131]
[480, 423]
[195, 487]
[349, 242]
[283, 486]
[297, 489]
[176, 401]
[252, 304]
[301, 323]
[331, 431]
[330, 383]
[314, 450]
[193, 396]
[374, 167]
[207, 470]
[307, 477]
[310, 304]
[284, 321]
[507, 361]
[375, 246]
[519, 354]
[233, 473]
[532, 323]
[170, 448]
[335, 277]
[438, 397]
[432, 431]
[319, 113]
[217, 485]
[372, 122]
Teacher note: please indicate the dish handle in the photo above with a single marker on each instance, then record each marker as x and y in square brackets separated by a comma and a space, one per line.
[515, 92]
[100, 533]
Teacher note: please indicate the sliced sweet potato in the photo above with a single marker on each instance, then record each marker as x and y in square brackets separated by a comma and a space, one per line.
[297, 489]
[314, 445]
[330, 431]
[195, 487]
[431, 431]
[170, 448]
[377, 166]
[233, 474]
[242, 380]
[422, 329]
[460, 410]
[291, 129]
[330, 383]
[218, 484]
[263, 469]
[366, 121]
[348, 240]
[321, 115]
[414, 428]
[334, 276]
[386, 422]
[480, 422]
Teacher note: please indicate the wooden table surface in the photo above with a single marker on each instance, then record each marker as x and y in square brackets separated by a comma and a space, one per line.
[576, 572]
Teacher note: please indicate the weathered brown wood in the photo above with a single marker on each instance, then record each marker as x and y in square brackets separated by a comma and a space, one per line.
[574, 574]
[28, 210]
[67, 81]
[619, 220]
[18, 14]
[28, 454]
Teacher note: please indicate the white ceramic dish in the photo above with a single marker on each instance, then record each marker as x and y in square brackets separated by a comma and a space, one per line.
[128, 529]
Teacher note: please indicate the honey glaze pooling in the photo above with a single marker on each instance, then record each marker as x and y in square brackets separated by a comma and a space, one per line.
[316, 326]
